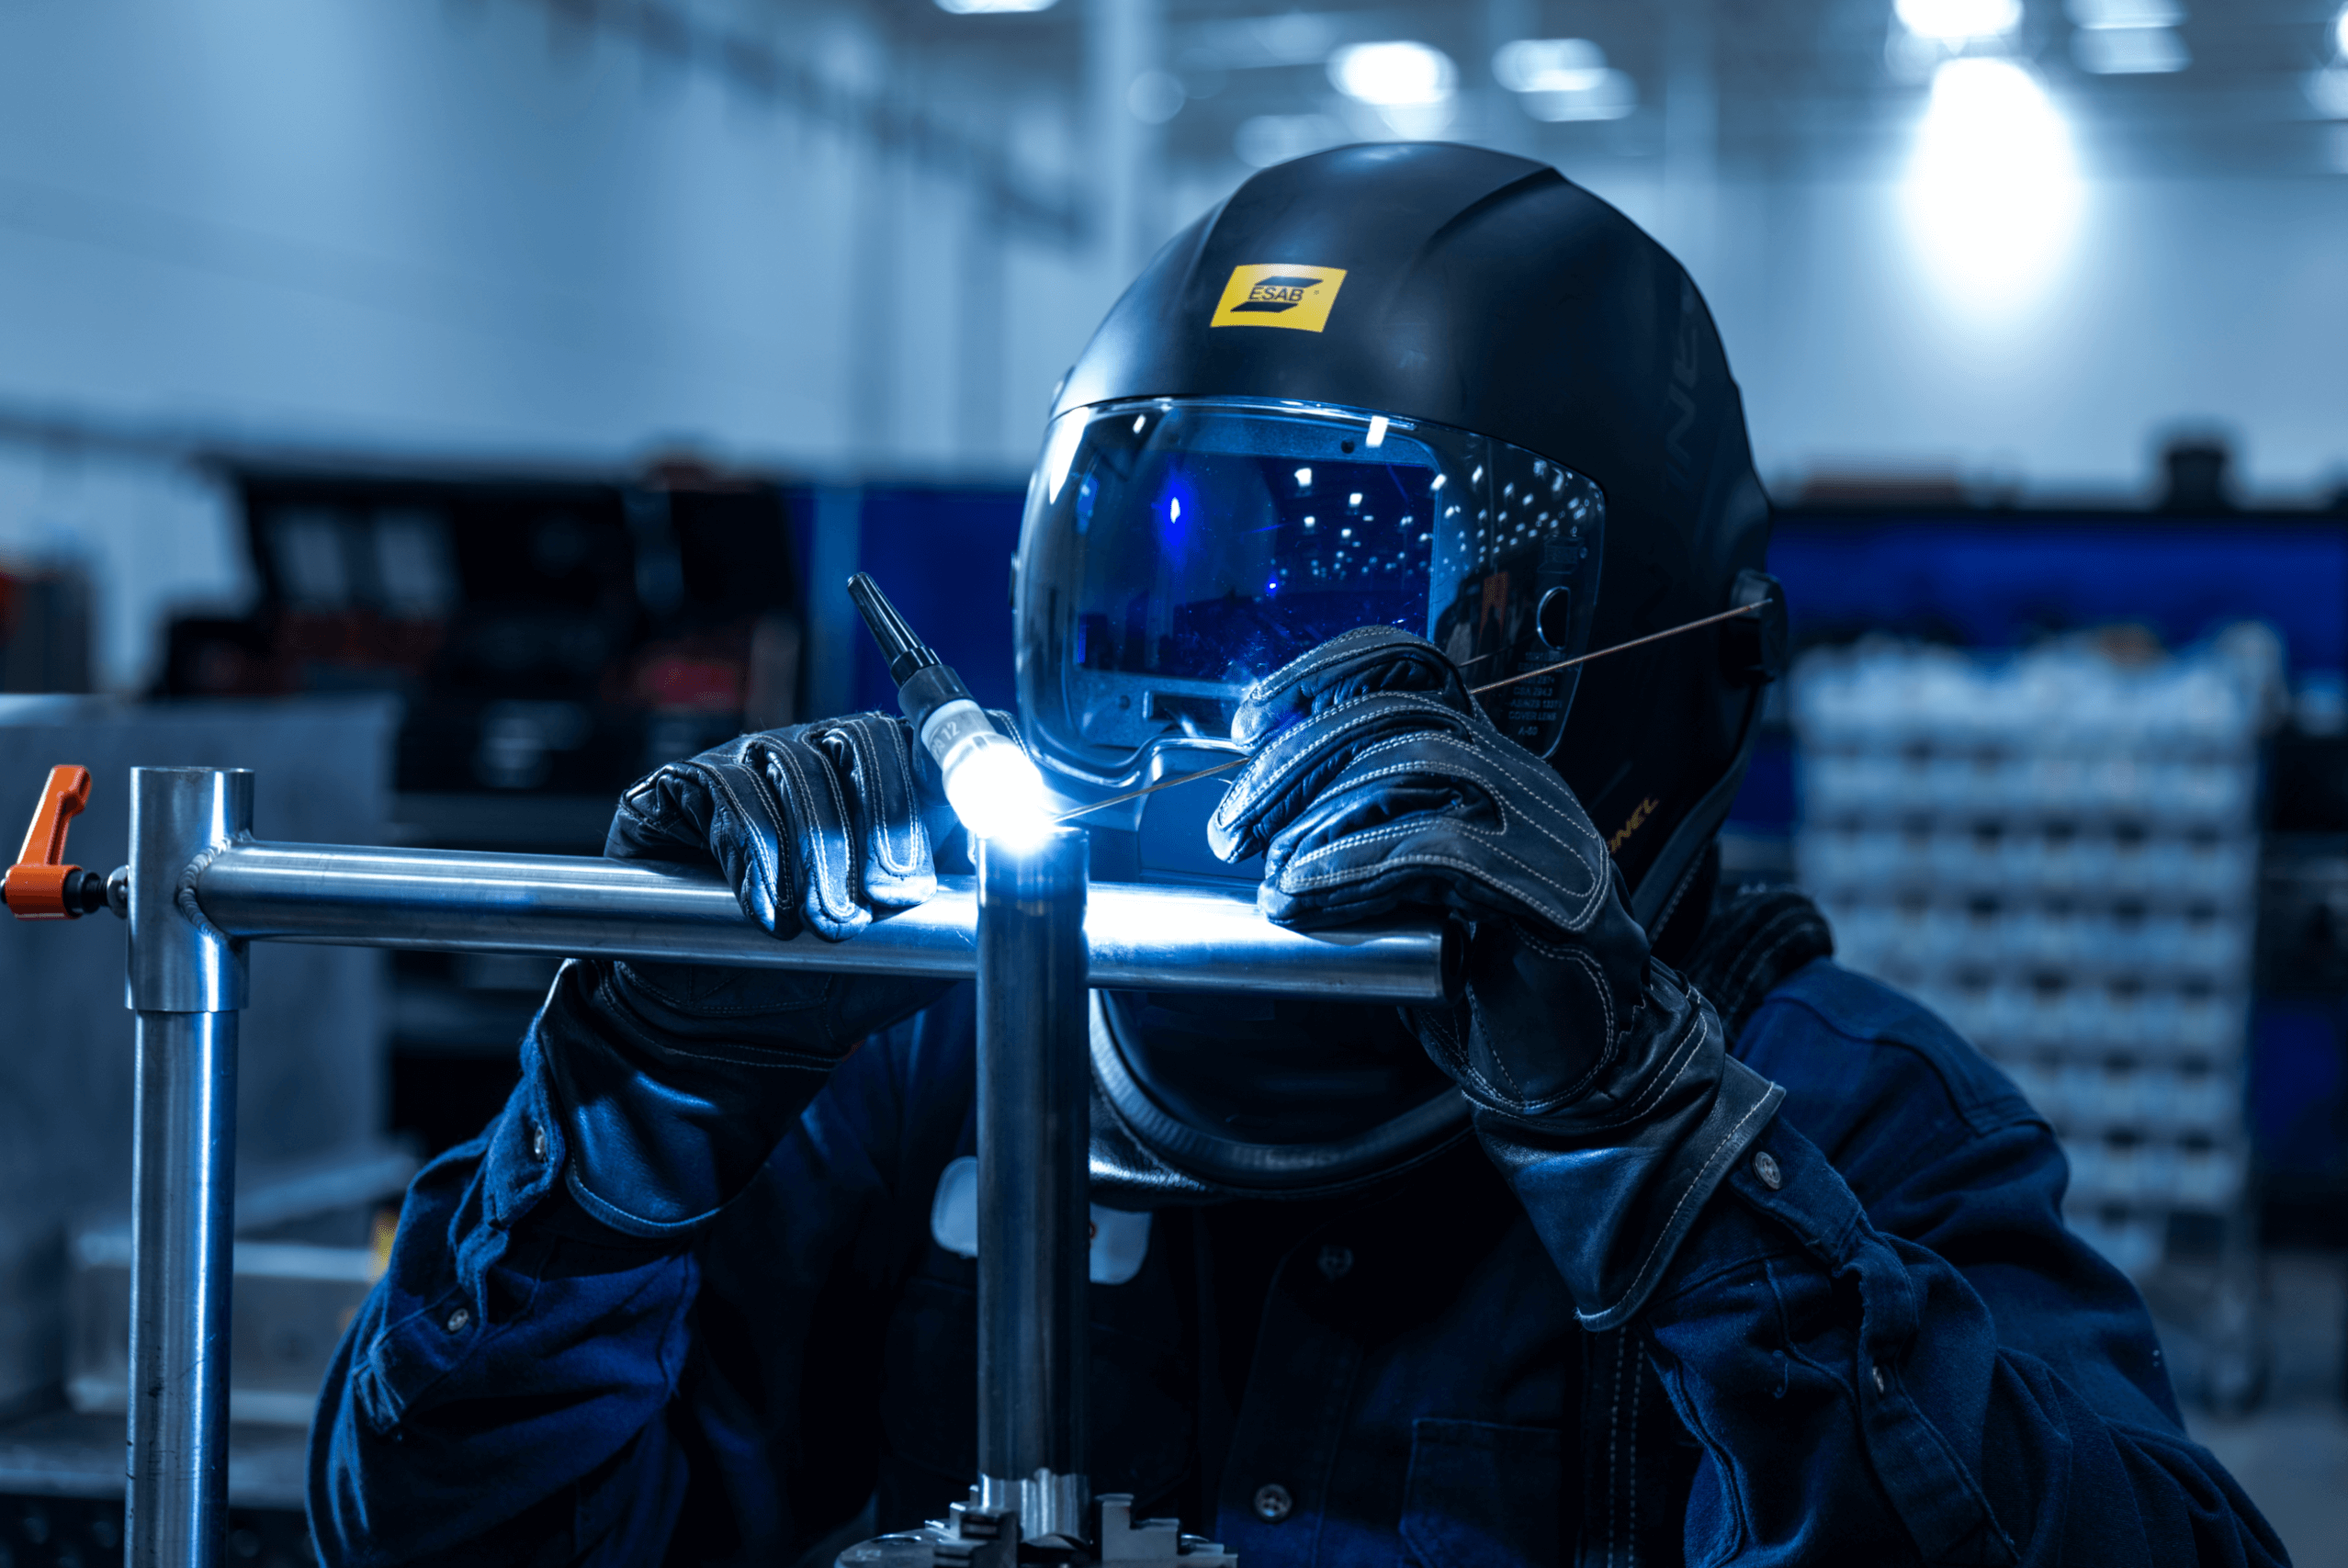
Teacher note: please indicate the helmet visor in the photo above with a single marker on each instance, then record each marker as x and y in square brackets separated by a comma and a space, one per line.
[1176, 550]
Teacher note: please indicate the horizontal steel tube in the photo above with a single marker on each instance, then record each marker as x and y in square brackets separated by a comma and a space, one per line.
[1139, 938]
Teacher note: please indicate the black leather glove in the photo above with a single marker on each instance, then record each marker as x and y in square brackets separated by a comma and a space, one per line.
[674, 1081]
[1600, 1082]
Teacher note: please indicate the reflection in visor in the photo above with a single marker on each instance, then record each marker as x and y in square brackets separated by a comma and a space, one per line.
[1249, 561]
[1175, 552]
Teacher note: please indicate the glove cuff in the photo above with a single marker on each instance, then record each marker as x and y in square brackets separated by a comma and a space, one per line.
[1613, 1204]
[657, 1139]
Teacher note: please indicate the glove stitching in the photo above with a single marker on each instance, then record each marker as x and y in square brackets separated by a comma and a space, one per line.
[1724, 1149]
[769, 872]
[817, 835]
[897, 861]
[1683, 1052]
[1514, 1093]
[1332, 652]
[906, 862]
[868, 828]
[1328, 729]
[1659, 1087]
[1306, 882]
[1609, 1053]
[1499, 793]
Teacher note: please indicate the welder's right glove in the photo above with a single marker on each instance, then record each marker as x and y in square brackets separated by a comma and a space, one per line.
[1599, 1081]
[673, 1082]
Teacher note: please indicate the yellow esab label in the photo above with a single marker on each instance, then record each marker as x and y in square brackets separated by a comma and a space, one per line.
[1297, 297]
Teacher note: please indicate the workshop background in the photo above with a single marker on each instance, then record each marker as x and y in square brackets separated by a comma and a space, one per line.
[451, 408]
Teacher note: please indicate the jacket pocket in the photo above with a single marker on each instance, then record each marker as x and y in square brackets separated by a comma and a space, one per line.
[1482, 1495]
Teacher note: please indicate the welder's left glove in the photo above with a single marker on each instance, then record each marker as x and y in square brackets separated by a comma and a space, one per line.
[1600, 1082]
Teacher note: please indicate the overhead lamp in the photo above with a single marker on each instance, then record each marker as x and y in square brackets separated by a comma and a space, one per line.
[1955, 21]
[2129, 37]
[1547, 64]
[2328, 90]
[1401, 74]
[1993, 193]
[1564, 79]
[992, 7]
[2339, 32]
[2102, 15]
[2130, 51]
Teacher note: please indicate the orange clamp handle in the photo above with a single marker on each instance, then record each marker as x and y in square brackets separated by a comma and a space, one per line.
[35, 887]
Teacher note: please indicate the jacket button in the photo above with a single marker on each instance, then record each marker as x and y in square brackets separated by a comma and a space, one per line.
[1882, 1384]
[538, 1143]
[1273, 1504]
[1764, 1165]
[459, 1319]
[1335, 1262]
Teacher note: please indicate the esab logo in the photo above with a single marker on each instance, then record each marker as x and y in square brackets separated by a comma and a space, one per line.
[1297, 297]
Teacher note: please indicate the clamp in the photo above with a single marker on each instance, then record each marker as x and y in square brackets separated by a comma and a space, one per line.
[40, 885]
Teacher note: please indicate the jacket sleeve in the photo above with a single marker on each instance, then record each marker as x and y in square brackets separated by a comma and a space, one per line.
[520, 1386]
[1889, 1348]
[500, 1397]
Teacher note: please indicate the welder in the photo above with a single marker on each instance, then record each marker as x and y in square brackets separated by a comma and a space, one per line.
[1672, 1240]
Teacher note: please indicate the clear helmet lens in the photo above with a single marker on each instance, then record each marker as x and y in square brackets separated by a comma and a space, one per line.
[1176, 550]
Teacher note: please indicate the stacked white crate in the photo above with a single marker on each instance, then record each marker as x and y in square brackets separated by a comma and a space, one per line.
[2059, 852]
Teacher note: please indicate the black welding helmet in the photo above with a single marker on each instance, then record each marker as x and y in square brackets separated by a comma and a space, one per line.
[1418, 385]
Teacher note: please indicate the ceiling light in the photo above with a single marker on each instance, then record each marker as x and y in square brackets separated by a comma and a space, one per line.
[1393, 74]
[1548, 65]
[1953, 21]
[1993, 193]
[2128, 52]
[991, 7]
[2328, 90]
[2339, 32]
[2126, 13]
[1610, 94]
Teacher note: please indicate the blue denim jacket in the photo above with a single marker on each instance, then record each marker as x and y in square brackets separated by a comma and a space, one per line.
[1878, 1344]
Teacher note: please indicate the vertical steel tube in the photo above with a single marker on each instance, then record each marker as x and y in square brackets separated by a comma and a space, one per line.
[186, 984]
[1034, 1212]
[181, 1174]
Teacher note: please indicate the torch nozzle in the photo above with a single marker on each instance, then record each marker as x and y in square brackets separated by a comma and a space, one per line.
[905, 653]
[990, 780]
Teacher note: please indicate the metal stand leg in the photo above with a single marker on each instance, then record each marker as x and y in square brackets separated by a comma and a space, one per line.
[1033, 1502]
[186, 984]
[1034, 1213]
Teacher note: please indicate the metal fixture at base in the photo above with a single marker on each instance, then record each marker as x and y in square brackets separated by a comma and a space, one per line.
[971, 1537]
[186, 984]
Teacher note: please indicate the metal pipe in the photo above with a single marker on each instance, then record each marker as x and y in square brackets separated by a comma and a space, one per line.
[182, 1176]
[186, 984]
[1034, 1118]
[1139, 938]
